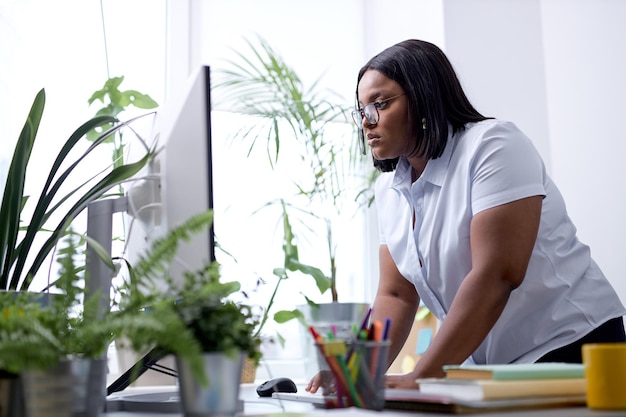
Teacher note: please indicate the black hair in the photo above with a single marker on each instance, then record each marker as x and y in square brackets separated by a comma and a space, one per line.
[433, 92]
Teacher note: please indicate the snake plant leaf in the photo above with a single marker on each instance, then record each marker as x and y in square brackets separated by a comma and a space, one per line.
[14, 255]
[115, 177]
[41, 214]
[102, 253]
[13, 197]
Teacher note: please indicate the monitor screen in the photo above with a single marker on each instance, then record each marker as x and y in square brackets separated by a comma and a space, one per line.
[186, 169]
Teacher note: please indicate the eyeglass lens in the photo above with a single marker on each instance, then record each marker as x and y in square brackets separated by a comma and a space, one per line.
[369, 111]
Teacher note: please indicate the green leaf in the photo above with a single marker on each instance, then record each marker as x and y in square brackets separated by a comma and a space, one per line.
[16, 259]
[141, 101]
[321, 280]
[116, 176]
[102, 253]
[284, 316]
[13, 198]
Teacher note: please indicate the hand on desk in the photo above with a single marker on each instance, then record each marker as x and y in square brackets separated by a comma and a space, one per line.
[325, 380]
[406, 381]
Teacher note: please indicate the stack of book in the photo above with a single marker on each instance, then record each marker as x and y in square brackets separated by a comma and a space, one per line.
[510, 381]
[484, 389]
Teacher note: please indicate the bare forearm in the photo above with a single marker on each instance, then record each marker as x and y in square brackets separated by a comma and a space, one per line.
[473, 313]
[397, 300]
[401, 313]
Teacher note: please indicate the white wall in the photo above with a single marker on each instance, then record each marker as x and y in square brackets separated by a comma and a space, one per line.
[496, 48]
[585, 56]
[556, 69]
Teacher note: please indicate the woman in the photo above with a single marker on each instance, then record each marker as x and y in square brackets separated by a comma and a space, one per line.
[471, 224]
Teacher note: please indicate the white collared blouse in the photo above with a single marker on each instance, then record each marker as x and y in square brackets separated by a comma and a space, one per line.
[564, 294]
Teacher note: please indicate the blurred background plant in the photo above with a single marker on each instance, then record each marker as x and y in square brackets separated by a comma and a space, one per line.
[312, 126]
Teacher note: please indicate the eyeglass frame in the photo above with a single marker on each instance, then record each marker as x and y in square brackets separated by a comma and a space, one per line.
[359, 114]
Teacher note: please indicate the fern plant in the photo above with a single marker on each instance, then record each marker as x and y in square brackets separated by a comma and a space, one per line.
[84, 328]
[39, 330]
[26, 343]
[185, 318]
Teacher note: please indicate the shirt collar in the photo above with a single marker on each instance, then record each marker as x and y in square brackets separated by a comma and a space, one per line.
[436, 169]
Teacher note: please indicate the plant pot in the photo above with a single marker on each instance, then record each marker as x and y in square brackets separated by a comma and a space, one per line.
[44, 298]
[48, 393]
[248, 372]
[343, 316]
[11, 396]
[90, 386]
[221, 396]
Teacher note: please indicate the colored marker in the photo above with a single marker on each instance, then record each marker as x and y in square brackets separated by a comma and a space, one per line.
[386, 328]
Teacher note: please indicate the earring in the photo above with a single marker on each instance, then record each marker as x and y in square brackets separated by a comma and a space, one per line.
[423, 123]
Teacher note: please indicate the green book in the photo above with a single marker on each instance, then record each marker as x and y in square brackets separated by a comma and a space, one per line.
[515, 371]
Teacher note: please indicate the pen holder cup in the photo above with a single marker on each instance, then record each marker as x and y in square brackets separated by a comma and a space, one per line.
[353, 373]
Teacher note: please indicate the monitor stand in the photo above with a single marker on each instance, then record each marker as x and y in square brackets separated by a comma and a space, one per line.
[149, 399]
[147, 362]
[146, 399]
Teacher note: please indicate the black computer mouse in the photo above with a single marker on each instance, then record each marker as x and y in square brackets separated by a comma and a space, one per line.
[276, 385]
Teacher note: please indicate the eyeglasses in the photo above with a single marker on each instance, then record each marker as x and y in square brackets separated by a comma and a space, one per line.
[370, 111]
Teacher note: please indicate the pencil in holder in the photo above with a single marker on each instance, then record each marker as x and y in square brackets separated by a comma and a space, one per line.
[356, 373]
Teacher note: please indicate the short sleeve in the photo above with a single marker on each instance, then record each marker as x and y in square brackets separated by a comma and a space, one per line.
[505, 167]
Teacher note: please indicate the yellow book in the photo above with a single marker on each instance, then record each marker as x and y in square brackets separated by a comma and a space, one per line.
[484, 389]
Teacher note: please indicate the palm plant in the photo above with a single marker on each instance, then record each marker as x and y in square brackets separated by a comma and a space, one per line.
[266, 88]
[17, 235]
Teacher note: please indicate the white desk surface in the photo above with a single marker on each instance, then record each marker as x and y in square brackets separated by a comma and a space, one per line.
[256, 406]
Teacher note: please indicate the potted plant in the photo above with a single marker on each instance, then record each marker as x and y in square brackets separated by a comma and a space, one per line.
[62, 338]
[31, 356]
[52, 343]
[287, 115]
[195, 320]
[35, 329]
[83, 326]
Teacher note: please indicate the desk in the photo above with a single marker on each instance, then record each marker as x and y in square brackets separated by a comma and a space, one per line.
[255, 406]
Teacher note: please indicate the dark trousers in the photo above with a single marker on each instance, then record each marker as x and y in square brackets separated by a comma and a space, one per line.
[611, 331]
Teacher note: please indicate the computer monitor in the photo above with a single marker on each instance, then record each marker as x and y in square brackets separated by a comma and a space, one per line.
[187, 169]
[184, 166]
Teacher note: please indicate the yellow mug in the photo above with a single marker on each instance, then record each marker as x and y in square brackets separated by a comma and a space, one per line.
[605, 371]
